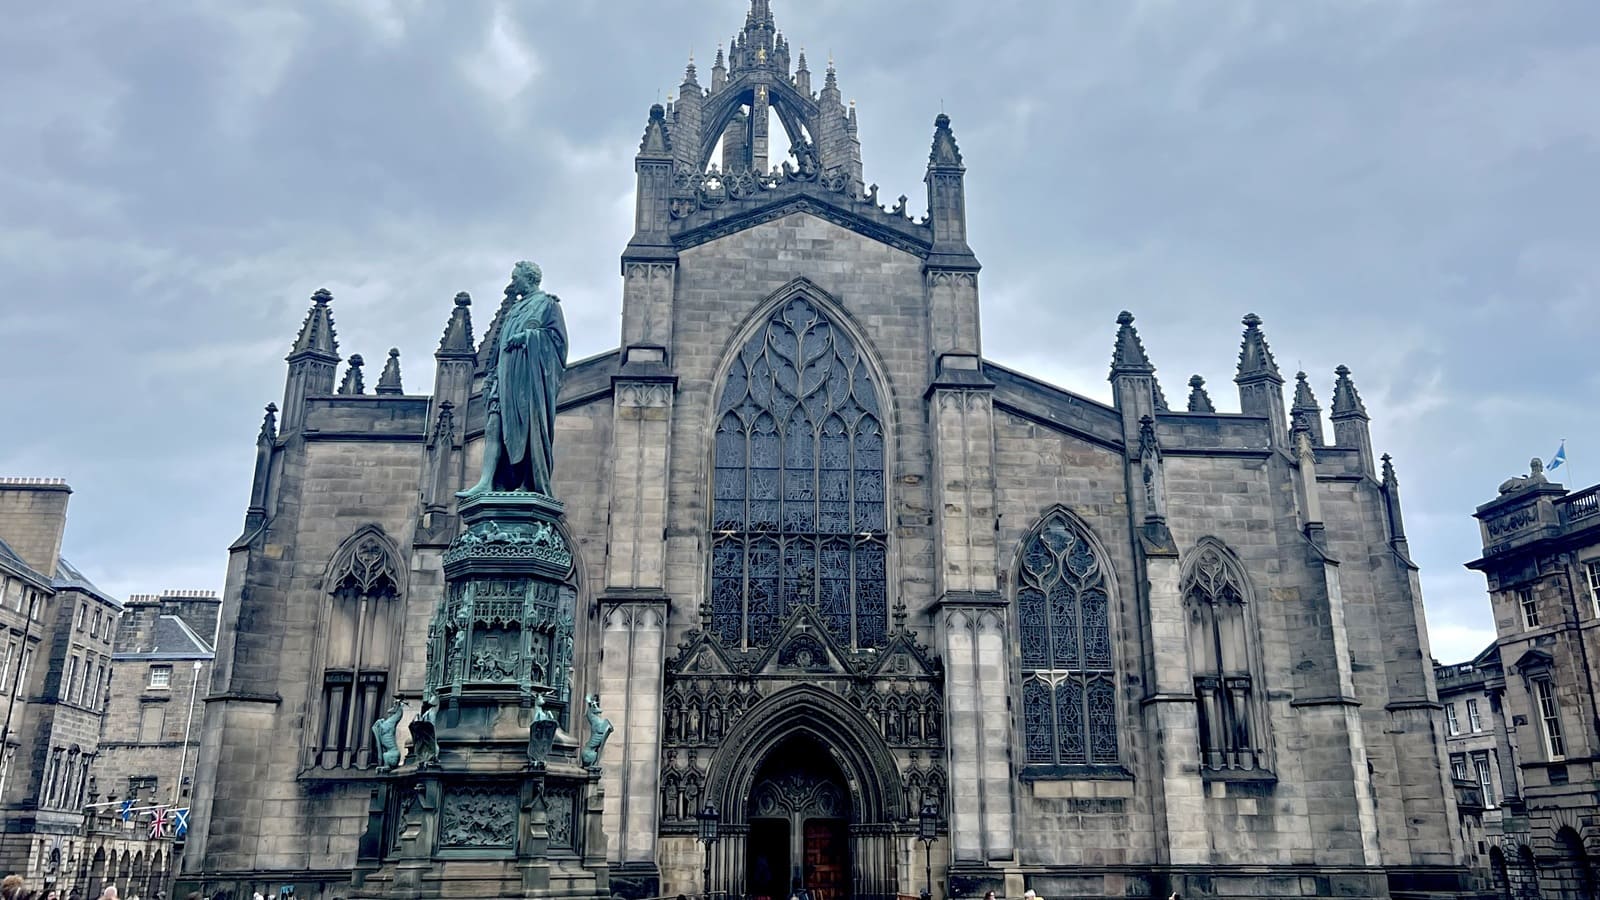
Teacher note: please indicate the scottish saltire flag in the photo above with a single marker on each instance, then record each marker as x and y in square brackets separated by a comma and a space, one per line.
[1559, 460]
[158, 823]
[125, 811]
[180, 822]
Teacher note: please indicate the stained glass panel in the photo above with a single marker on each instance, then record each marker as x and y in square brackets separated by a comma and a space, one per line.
[799, 457]
[1063, 619]
[1037, 724]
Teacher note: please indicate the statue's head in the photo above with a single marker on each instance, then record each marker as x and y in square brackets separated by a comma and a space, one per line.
[1535, 466]
[525, 277]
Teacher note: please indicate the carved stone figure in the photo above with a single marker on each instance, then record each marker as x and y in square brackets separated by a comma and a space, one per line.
[599, 730]
[424, 741]
[384, 730]
[542, 731]
[1534, 477]
[524, 381]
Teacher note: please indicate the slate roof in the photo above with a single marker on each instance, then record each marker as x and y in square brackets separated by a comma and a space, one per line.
[69, 578]
[174, 639]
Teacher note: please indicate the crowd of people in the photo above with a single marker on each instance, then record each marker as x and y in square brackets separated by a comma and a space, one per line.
[14, 887]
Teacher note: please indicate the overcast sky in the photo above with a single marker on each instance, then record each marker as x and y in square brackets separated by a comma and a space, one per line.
[1407, 187]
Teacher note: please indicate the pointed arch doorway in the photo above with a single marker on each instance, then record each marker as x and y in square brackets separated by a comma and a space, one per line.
[799, 812]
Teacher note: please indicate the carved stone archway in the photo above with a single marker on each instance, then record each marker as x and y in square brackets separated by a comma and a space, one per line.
[809, 716]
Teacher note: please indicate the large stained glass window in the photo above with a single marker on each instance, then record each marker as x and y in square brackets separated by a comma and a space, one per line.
[798, 516]
[1064, 612]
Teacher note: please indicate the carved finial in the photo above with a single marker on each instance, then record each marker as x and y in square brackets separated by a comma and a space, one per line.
[945, 152]
[1129, 357]
[1199, 400]
[352, 383]
[1389, 479]
[269, 425]
[1147, 437]
[802, 64]
[1255, 357]
[1346, 401]
[1303, 398]
[457, 338]
[705, 616]
[900, 615]
[389, 381]
[689, 77]
[656, 142]
[316, 336]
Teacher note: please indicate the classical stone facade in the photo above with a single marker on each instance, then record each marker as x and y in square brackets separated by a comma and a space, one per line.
[54, 681]
[1483, 761]
[1541, 558]
[834, 566]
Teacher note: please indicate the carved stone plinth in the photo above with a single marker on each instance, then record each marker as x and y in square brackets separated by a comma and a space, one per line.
[506, 809]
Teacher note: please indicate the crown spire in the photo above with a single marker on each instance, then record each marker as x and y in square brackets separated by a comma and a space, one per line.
[389, 381]
[352, 383]
[1255, 357]
[457, 340]
[316, 333]
[1199, 400]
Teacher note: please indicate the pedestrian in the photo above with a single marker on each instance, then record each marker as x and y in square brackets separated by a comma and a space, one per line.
[988, 895]
[11, 887]
[110, 893]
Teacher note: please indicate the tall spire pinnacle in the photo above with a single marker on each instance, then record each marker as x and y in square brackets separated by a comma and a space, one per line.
[316, 333]
[1305, 405]
[352, 383]
[945, 152]
[655, 141]
[1129, 356]
[1199, 400]
[1255, 357]
[1346, 401]
[689, 73]
[457, 340]
[389, 381]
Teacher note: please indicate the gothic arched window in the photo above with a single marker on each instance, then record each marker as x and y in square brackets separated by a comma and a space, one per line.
[358, 649]
[1069, 695]
[799, 510]
[1232, 727]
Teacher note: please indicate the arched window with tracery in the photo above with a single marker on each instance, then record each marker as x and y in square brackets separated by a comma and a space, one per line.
[1063, 605]
[1221, 655]
[799, 511]
[358, 649]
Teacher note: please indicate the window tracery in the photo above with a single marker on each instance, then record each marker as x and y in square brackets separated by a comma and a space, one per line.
[1064, 616]
[798, 514]
[1221, 656]
[364, 585]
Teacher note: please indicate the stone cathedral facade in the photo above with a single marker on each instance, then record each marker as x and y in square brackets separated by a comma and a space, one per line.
[833, 565]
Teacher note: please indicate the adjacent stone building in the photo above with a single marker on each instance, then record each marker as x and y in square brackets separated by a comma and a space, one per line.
[1482, 761]
[56, 669]
[1541, 557]
[836, 567]
[161, 674]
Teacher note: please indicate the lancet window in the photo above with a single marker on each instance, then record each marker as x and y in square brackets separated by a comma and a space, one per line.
[798, 517]
[1063, 605]
[1221, 654]
[358, 650]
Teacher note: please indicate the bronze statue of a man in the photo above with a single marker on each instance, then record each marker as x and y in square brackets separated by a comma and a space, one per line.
[524, 381]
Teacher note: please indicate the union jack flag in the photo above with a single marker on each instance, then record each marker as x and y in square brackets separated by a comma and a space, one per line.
[158, 823]
[180, 822]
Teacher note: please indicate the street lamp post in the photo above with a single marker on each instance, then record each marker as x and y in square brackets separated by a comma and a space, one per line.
[708, 835]
[927, 833]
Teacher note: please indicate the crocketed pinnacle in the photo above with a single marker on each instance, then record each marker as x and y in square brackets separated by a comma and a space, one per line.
[1389, 479]
[389, 381]
[1304, 400]
[352, 383]
[945, 152]
[457, 340]
[656, 142]
[1255, 357]
[316, 336]
[1346, 402]
[269, 425]
[689, 73]
[1129, 357]
[1199, 400]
